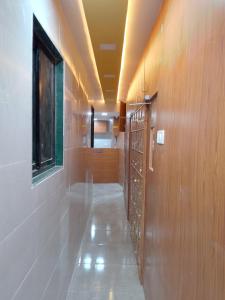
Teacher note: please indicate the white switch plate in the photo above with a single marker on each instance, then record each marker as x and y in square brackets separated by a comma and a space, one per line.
[161, 137]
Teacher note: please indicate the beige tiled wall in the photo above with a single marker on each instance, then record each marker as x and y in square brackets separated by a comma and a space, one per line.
[40, 226]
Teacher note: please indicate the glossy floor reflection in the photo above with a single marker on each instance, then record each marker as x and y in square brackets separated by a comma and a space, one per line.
[106, 267]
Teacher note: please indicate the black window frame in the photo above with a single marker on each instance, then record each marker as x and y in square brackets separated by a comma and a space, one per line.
[41, 42]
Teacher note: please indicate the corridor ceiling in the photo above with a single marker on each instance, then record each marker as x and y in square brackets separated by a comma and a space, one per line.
[106, 22]
[112, 36]
[141, 18]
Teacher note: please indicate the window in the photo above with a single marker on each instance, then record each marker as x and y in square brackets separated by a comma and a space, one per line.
[47, 102]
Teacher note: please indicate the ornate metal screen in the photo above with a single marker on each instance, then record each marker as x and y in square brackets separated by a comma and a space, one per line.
[138, 139]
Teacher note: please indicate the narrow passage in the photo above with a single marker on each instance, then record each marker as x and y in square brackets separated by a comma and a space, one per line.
[106, 267]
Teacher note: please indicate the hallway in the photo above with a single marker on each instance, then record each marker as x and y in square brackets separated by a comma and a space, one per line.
[106, 267]
[112, 133]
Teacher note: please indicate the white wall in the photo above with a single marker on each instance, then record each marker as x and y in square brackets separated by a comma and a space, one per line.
[40, 226]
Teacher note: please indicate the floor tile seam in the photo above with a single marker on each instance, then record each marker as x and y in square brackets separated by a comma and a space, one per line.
[112, 226]
[108, 247]
[109, 240]
[116, 284]
[125, 243]
[110, 232]
[95, 202]
[81, 243]
[102, 293]
[111, 218]
[86, 230]
[109, 264]
[110, 199]
[120, 289]
[100, 227]
[114, 203]
[113, 283]
[115, 222]
[107, 221]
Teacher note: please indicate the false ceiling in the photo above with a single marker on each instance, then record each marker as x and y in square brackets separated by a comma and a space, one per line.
[96, 22]
[141, 18]
[81, 47]
[106, 22]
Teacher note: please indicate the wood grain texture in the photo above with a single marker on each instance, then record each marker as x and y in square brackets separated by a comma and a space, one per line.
[185, 209]
[101, 126]
[122, 120]
[103, 164]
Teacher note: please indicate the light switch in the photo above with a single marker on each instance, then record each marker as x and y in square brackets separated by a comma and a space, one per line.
[161, 137]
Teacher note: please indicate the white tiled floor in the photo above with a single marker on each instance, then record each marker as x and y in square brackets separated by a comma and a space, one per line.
[106, 267]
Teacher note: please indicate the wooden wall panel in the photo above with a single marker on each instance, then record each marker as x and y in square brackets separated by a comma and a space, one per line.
[103, 164]
[122, 119]
[185, 237]
[101, 126]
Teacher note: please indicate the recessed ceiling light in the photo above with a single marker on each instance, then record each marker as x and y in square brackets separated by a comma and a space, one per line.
[107, 47]
[109, 76]
[104, 114]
